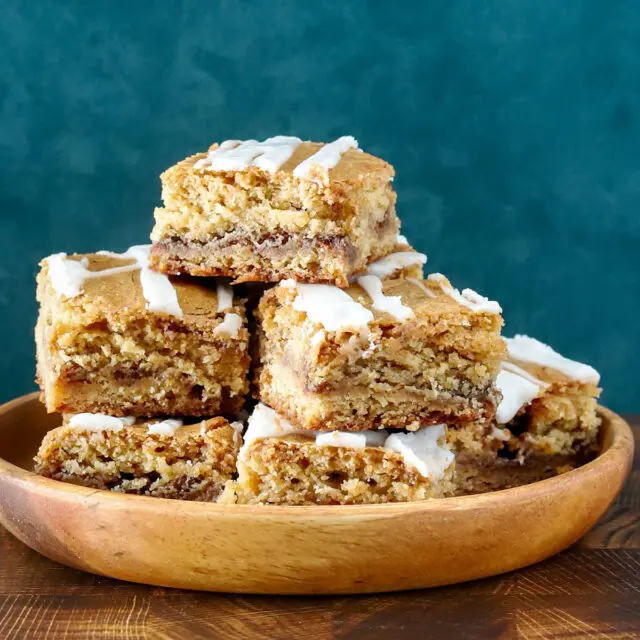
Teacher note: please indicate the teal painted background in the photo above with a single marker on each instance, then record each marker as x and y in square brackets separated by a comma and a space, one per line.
[514, 126]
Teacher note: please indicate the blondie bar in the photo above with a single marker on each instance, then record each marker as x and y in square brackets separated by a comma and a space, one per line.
[549, 402]
[547, 421]
[160, 458]
[282, 208]
[279, 464]
[397, 354]
[114, 337]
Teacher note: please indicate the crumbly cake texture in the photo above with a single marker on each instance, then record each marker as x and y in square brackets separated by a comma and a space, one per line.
[295, 471]
[189, 463]
[343, 364]
[254, 223]
[101, 350]
[298, 468]
[560, 418]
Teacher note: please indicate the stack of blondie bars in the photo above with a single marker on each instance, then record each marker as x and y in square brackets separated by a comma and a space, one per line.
[278, 343]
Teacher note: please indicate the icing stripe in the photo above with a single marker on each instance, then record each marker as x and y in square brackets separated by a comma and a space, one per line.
[528, 349]
[237, 155]
[68, 278]
[468, 298]
[229, 326]
[514, 368]
[157, 290]
[516, 393]
[388, 304]
[225, 296]
[272, 153]
[327, 156]
[421, 285]
[166, 427]
[99, 422]
[518, 388]
[394, 262]
[329, 306]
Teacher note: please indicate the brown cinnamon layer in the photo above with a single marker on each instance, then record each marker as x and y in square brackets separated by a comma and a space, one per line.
[271, 258]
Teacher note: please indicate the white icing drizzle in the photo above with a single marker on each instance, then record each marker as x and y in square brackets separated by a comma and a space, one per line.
[500, 434]
[327, 156]
[389, 304]
[469, 298]
[237, 426]
[237, 155]
[99, 422]
[394, 262]
[514, 368]
[424, 449]
[157, 290]
[264, 422]
[225, 296]
[165, 428]
[341, 439]
[421, 285]
[528, 349]
[232, 321]
[329, 306]
[318, 338]
[229, 326]
[516, 393]
[402, 239]
[272, 153]
[68, 278]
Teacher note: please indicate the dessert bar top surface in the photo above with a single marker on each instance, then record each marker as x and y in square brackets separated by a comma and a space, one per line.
[432, 304]
[557, 373]
[352, 166]
[109, 291]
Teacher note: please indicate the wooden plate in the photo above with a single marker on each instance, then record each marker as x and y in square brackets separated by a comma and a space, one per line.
[337, 549]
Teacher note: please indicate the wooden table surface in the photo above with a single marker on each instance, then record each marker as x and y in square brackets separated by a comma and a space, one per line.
[590, 591]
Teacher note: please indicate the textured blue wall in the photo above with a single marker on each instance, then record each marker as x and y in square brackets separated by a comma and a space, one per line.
[513, 125]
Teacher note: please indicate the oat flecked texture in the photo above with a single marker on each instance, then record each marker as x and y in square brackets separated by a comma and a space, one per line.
[192, 464]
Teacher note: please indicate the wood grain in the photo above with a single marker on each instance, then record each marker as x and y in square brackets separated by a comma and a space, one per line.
[591, 590]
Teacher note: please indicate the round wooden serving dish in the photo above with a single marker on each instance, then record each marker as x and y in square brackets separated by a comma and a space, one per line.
[302, 550]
